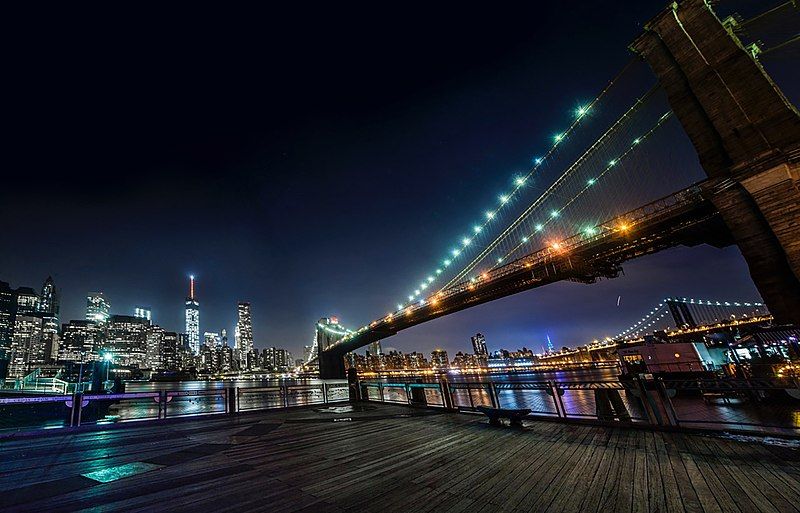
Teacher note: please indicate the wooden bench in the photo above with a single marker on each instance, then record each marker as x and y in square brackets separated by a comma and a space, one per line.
[495, 414]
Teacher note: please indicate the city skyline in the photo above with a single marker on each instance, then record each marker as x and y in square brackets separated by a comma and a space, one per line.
[276, 201]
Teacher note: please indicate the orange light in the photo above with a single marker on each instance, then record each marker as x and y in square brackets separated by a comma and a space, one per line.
[556, 246]
[623, 227]
[485, 276]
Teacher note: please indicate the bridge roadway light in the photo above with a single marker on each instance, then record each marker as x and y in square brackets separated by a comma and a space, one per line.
[490, 215]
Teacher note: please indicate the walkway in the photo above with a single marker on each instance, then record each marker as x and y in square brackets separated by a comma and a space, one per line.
[391, 458]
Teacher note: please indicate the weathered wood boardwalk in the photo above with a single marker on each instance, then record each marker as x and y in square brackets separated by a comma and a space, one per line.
[391, 458]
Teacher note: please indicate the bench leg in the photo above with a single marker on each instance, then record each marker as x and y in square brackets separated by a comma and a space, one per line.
[495, 421]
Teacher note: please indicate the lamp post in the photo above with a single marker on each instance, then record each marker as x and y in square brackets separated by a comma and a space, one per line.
[108, 358]
[79, 385]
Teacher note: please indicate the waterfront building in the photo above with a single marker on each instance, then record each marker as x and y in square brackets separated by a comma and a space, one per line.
[169, 351]
[49, 300]
[211, 339]
[154, 337]
[27, 349]
[98, 308]
[27, 301]
[50, 336]
[439, 359]
[8, 309]
[276, 359]
[192, 317]
[244, 335]
[375, 348]
[143, 312]
[415, 360]
[479, 345]
[226, 359]
[80, 341]
[126, 340]
[467, 361]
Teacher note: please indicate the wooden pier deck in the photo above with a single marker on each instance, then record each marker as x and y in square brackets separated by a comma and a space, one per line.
[391, 458]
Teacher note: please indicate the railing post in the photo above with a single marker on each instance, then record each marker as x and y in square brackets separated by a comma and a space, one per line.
[444, 386]
[162, 404]
[651, 409]
[493, 397]
[231, 398]
[324, 393]
[74, 414]
[78, 403]
[553, 390]
[672, 417]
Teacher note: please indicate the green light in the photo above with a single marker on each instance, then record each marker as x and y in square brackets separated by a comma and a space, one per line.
[524, 239]
[554, 213]
[580, 111]
[438, 271]
[110, 474]
[613, 163]
[590, 230]
[558, 137]
[477, 229]
[539, 227]
[499, 260]
[465, 241]
[520, 180]
[446, 263]
[108, 357]
[637, 141]
[490, 215]
[591, 181]
[503, 198]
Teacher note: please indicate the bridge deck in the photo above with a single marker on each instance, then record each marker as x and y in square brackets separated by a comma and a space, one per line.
[379, 461]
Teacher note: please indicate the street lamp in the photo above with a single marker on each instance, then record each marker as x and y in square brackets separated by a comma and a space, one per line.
[108, 358]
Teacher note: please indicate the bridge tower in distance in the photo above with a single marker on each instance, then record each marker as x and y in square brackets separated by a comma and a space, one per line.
[747, 136]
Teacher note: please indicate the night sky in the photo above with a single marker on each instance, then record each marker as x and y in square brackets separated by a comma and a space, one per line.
[314, 162]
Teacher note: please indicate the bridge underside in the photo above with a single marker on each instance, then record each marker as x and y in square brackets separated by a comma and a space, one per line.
[747, 137]
[693, 222]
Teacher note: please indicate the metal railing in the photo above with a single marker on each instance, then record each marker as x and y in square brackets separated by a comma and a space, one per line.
[33, 412]
[767, 405]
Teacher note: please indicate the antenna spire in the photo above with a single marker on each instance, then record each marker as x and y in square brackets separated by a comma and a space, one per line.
[191, 286]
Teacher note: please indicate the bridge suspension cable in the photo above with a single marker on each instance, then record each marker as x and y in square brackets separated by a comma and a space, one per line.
[519, 182]
[591, 230]
[575, 165]
[704, 310]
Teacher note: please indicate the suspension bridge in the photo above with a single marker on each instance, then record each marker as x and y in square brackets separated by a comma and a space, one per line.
[577, 213]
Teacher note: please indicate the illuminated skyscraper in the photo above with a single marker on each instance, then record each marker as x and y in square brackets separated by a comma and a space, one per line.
[375, 348]
[479, 345]
[192, 319]
[439, 359]
[143, 312]
[49, 300]
[98, 309]
[244, 334]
